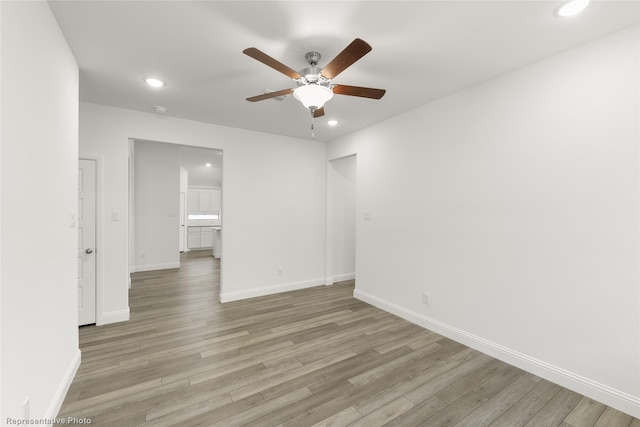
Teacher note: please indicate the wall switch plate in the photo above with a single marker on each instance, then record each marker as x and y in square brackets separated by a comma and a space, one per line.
[367, 216]
[115, 216]
[425, 297]
[279, 271]
[72, 220]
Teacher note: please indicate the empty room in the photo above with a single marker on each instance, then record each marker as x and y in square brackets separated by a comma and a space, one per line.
[320, 213]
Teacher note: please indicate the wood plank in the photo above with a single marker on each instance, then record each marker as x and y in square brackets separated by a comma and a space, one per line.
[341, 419]
[585, 413]
[613, 418]
[384, 414]
[499, 403]
[525, 408]
[556, 409]
[311, 357]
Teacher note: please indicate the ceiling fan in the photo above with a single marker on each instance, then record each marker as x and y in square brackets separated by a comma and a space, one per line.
[314, 84]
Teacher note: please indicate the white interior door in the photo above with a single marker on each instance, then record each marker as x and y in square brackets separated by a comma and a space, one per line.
[87, 242]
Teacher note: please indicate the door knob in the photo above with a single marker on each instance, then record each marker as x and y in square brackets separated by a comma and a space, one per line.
[88, 251]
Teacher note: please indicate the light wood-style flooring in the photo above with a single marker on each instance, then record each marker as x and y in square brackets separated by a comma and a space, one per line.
[315, 357]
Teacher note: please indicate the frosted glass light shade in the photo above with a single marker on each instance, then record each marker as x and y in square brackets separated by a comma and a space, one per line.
[313, 96]
[573, 7]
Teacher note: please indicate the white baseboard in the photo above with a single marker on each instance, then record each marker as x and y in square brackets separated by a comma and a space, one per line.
[152, 267]
[114, 317]
[63, 388]
[269, 290]
[615, 398]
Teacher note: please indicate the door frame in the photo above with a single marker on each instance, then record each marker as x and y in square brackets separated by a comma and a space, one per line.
[99, 248]
[182, 245]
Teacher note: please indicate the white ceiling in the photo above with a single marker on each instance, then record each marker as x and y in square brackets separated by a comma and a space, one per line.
[422, 51]
[195, 161]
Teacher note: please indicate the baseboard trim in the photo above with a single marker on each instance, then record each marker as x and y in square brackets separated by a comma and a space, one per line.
[115, 317]
[612, 397]
[63, 388]
[152, 267]
[270, 290]
[342, 277]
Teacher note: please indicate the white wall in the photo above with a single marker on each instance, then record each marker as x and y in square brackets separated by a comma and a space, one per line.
[184, 182]
[342, 211]
[515, 205]
[39, 191]
[157, 206]
[274, 200]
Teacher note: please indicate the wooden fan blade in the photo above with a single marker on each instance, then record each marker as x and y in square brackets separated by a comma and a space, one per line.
[269, 95]
[267, 60]
[356, 50]
[364, 92]
[318, 113]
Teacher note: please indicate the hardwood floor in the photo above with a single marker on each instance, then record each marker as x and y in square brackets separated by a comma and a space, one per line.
[316, 357]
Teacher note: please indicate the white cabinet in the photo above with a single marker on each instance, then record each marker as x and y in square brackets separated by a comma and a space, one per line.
[199, 237]
[193, 238]
[193, 201]
[200, 202]
[216, 200]
[203, 200]
[206, 237]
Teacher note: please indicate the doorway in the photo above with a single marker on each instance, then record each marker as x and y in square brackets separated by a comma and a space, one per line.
[341, 214]
[176, 201]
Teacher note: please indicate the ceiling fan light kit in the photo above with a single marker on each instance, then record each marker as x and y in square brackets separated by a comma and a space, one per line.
[314, 84]
[313, 96]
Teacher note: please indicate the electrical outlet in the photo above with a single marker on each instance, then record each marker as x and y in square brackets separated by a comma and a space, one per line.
[425, 297]
[26, 408]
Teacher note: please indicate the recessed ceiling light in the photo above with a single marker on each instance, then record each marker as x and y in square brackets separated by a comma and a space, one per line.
[572, 8]
[332, 122]
[208, 165]
[154, 82]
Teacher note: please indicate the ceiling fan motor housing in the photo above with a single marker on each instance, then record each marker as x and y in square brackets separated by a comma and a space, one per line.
[311, 74]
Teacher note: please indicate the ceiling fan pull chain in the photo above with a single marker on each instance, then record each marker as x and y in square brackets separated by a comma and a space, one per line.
[313, 118]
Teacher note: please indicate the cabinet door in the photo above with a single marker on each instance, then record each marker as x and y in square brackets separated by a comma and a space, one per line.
[206, 199]
[206, 239]
[216, 200]
[193, 201]
[193, 238]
